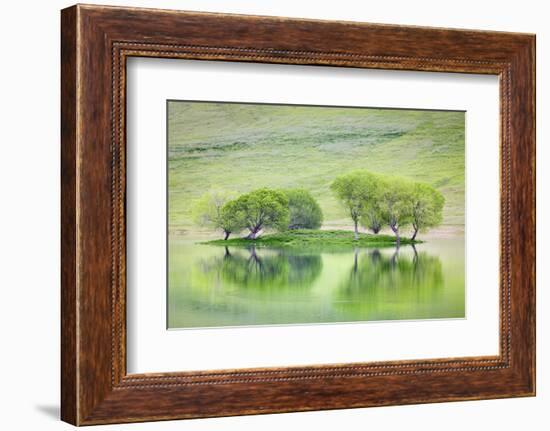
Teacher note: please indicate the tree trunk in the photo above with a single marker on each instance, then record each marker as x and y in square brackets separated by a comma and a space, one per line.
[414, 234]
[356, 231]
[395, 230]
[226, 236]
[376, 229]
[253, 232]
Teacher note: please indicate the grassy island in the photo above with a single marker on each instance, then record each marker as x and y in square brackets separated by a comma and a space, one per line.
[313, 237]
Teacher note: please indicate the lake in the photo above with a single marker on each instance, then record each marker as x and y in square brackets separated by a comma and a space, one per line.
[216, 286]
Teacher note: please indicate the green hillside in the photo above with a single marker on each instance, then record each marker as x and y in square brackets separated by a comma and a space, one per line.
[242, 147]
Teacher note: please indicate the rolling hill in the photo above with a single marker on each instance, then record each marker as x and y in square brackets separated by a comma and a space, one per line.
[240, 147]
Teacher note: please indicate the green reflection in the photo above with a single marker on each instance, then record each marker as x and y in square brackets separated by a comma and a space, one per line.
[392, 285]
[265, 269]
[210, 286]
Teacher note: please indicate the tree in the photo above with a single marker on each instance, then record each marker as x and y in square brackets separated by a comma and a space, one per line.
[231, 219]
[356, 190]
[209, 211]
[427, 208]
[372, 218]
[305, 212]
[261, 209]
[396, 204]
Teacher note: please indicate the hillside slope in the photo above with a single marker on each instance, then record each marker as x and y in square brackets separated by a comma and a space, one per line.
[240, 147]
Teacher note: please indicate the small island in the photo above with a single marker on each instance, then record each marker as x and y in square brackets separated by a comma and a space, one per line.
[313, 237]
[291, 218]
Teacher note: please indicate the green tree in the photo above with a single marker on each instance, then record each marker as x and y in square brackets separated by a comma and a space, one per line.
[263, 209]
[373, 218]
[231, 219]
[427, 208]
[396, 204]
[356, 190]
[305, 212]
[210, 211]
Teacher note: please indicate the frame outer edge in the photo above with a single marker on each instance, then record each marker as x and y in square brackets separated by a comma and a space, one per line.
[529, 62]
[523, 217]
[533, 53]
[532, 101]
[69, 202]
[88, 397]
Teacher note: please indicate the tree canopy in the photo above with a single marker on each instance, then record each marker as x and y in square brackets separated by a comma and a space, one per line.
[209, 212]
[372, 217]
[375, 201]
[396, 204]
[261, 209]
[372, 200]
[231, 219]
[305, 212]
[427, 208]
[356, 190]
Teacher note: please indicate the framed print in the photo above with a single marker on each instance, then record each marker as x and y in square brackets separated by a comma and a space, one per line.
[262, 217]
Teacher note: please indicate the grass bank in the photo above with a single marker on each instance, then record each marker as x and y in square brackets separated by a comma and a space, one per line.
[314, 238]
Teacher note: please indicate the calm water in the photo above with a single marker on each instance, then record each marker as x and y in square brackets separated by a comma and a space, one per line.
[212, 286]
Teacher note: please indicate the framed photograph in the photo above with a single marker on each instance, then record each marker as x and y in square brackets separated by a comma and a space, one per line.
[265, 215]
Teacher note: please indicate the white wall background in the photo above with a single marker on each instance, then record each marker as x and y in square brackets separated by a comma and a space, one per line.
[29, 215]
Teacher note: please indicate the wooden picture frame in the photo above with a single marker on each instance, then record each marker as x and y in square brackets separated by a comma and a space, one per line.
[96, 41]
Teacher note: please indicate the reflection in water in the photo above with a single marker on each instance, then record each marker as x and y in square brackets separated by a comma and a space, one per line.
[265, 270]
[376, 280]
[216, 286]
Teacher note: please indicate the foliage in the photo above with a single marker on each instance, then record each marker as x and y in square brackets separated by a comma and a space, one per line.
[396, 204]
[231, 219]
[263, 209]
[427, 207]
[356, 190]
[372, 200]
[373, 218]
[305, 212]
[210, 210]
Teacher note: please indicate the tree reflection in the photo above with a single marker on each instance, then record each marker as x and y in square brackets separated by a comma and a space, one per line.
[400, 280]
[265, 269]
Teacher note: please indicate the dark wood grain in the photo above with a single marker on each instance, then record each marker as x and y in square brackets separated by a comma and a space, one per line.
[96, 41]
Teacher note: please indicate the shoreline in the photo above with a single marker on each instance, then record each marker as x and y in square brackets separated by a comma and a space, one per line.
[441, 232]
[313, 238]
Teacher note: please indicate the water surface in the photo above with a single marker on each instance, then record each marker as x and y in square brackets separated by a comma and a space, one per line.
[215, 286]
